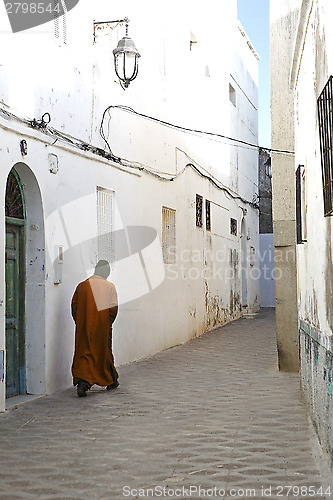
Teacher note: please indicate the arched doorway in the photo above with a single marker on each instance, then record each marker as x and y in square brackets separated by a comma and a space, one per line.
[15, 286]
[25, 284]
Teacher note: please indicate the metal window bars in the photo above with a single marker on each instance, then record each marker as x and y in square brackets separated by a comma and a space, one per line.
[325, 120]
[298, 206]
[14, 204]
[233, 227]
[208, 216]
[198, 210]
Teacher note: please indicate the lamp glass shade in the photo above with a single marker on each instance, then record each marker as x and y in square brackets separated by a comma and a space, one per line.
[126, 57]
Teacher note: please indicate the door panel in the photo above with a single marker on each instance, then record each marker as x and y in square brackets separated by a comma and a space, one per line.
[15, 345]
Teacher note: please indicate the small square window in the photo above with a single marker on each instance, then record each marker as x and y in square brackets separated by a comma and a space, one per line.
[233, 227]
[198, 210]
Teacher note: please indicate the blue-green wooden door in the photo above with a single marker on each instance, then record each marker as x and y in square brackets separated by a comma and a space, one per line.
[15, 342]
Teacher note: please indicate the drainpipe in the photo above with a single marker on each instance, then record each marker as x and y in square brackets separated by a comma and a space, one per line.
[304, 18]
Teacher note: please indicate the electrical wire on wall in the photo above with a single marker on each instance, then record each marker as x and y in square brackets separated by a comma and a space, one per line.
[43, 126]
[169, 177]
[101, 131]
[222, 188]
[186, 129]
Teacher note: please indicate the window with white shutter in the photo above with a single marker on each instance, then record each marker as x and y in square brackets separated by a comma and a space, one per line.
[105, 201]
[169, 235]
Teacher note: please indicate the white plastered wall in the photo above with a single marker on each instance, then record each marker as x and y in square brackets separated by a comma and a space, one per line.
[75, 84]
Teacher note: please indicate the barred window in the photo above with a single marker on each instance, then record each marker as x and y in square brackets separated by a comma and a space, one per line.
[169, 235]
[300, 205]
[325, 120]
[198, 210]
[60, 21]
[233, 227]
[208, 218]
[14, 197]
[105, 199]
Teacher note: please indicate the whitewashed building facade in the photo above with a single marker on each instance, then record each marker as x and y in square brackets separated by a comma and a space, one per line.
[303, 36]
[171, 207]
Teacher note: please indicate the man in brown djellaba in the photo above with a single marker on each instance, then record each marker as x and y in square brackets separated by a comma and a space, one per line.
[94, 309]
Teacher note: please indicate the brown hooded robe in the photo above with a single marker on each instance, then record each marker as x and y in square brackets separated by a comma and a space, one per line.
[94, 309]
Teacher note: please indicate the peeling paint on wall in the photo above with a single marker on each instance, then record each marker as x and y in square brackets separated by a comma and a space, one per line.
[328, 376]
[329, 272]
[218, 312]
[317, 386]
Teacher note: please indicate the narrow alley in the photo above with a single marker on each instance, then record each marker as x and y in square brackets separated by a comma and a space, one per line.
[210, 416]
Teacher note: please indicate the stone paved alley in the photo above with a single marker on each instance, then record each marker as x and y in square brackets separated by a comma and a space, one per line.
[214, 413]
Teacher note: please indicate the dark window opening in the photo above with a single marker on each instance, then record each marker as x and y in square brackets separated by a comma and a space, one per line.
[299, 206]
[268, 168]
[198, 210]
[325, 119]
[233, 227]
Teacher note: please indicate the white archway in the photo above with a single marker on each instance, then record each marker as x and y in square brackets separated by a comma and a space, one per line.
[34, 281]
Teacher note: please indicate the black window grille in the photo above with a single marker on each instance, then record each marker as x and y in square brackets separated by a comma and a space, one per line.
[233, 227]
[14, 206]
[298, 205]
[325, 119]
[208, 217]
[198, 210]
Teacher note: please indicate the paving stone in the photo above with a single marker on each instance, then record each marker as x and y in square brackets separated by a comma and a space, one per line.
[212, 413]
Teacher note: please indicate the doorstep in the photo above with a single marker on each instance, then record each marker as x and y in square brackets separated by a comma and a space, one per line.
[15, 401]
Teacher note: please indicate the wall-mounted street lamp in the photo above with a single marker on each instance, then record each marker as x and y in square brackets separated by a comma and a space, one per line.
[126, 54]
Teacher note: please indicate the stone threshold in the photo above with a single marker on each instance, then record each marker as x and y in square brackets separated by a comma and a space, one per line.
[22, 399]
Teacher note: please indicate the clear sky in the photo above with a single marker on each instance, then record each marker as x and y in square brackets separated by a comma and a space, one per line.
[254, 16]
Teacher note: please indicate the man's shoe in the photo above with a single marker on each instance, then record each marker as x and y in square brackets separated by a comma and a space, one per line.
[82, 388]
[81, 392]
[112, 386]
